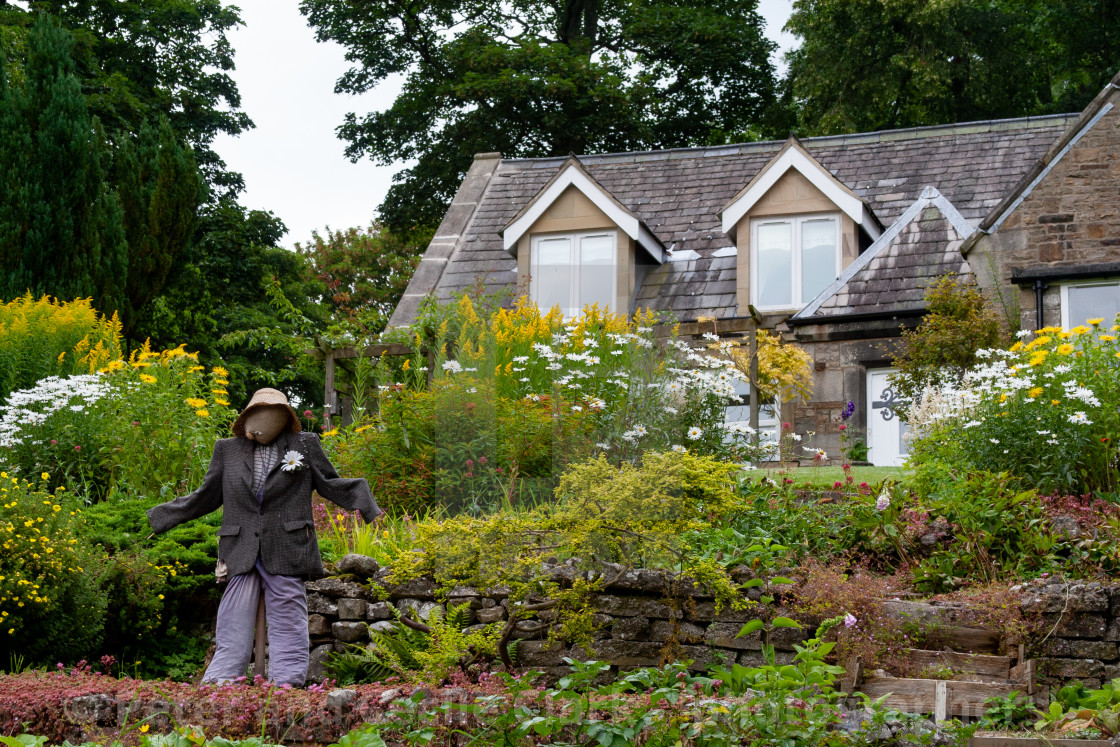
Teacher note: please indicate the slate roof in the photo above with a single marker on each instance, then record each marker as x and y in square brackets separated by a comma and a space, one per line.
[893, 273]
[679, 193]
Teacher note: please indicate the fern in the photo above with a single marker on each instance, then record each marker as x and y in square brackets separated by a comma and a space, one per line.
[390, 653]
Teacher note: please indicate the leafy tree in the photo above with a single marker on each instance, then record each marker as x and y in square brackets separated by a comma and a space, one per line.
[60, 225]
[541, 79]
[365, 272]
[959, 321]
[881, 64]
[221, 285]
[139, 60]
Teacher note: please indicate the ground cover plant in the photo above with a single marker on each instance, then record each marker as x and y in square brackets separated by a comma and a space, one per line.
[794, 704]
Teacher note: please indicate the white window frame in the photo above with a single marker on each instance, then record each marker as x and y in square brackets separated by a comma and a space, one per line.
[794, 221]
[1094, 283]
[573, 291]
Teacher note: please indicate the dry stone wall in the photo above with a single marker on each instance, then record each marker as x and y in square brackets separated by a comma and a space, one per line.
[640, 624]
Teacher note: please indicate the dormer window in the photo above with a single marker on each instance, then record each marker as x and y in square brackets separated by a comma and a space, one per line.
[793, 259]
[574, 270]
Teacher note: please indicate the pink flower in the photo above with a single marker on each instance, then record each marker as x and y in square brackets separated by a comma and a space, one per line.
[500, 471]
[843, 427]
[786, 426]
[470, 463]
[308, 414]
[837, 485]
[53, 442]
[482, 460]
[77, 448]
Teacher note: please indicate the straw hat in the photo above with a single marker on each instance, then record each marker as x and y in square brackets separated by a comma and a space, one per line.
[264, 398]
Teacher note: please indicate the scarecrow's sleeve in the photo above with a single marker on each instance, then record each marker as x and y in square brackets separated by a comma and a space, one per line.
[206, 499]
[350, 493]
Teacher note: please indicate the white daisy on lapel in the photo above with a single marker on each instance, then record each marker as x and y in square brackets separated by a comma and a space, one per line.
[292, 461]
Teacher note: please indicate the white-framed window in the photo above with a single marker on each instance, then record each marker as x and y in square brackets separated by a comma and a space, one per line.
[769, 415]
[572, 270]
[793, 259]
[1090, 299]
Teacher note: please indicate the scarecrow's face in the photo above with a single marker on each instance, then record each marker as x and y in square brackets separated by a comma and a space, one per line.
[264, 424]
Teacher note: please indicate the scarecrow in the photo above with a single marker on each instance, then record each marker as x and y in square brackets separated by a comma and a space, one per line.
[263, 478]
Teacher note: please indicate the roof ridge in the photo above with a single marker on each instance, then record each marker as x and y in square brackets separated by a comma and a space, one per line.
[908, 133]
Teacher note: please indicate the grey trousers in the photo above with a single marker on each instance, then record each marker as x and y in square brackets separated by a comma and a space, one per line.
[285, 604]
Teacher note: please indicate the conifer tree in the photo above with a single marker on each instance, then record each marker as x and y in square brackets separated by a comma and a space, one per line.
[61, 227]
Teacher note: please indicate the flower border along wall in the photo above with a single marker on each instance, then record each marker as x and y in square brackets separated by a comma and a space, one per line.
[1046, 410]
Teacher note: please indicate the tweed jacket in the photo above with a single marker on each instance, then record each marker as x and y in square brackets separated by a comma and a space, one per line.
[280, 528]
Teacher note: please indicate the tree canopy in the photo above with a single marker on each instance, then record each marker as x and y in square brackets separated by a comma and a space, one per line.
[541, 79]
[866, 65]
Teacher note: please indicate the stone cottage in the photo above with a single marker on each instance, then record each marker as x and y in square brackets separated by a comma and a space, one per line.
[829, 240]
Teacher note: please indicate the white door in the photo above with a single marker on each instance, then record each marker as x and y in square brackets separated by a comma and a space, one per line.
[885, 433]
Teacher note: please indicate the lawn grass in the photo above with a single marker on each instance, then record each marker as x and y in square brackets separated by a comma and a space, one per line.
[825, 477]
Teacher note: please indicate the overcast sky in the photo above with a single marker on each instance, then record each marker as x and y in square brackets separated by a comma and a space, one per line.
[292, 161]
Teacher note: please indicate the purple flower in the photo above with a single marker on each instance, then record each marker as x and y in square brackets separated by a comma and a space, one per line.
[849, 620]
[848, 410]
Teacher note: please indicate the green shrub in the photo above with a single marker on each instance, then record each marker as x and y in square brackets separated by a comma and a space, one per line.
[50, 605]
[161, 589]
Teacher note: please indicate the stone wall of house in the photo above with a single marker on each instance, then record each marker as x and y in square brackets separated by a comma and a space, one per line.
[839, 376]
[1070, 219]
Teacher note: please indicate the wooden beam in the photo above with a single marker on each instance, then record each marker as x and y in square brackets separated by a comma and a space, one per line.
[993, 667]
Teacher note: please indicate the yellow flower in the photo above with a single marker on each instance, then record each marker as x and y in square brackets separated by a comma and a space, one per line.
[363, 428]
[1055, 402]
[1017, 346]
[144, 728]
[1065, 349]
[141, 364]
[331, 432]
[222, 402]
[45, 476]
[147, 378]
[407, 364]
[219, 371]
[1038, 357]
[1108, 338]
[1079, 330]
[218, 391]
[195, 402]
[1096, 322]
[202, 413]
[385, 534]
[1035, 392]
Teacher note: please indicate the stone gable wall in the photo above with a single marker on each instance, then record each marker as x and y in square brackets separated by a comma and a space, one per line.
[1070, 219]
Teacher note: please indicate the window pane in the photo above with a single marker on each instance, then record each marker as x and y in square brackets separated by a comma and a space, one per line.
[818, 257]
[553, 279]
[775, 264]
[596, 271]
[1091, 302]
